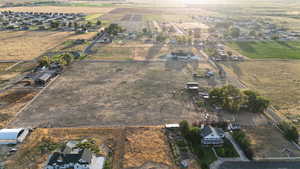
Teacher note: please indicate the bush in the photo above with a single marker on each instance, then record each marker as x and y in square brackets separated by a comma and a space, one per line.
[290, 131]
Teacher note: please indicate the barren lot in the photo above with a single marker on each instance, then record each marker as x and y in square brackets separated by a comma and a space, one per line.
[268, 142]
[11, 101]
[136, 151]
[95, 94]
[59, 9]
[129, 52]
[29, 45]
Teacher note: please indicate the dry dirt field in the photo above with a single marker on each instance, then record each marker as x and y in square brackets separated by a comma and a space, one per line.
[128, 52]
[126, 142]
[269, 142]
[140, 151]
[59, 9]
[26, 45]
[277, 80]
[11, 101]
[130, 93]
[4, 66]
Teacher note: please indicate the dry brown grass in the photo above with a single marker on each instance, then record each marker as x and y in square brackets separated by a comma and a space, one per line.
[269, 142]
[12, 101]
[29, 45]
[59, 9]
[4, 66]
[277, 80]
[146, 145]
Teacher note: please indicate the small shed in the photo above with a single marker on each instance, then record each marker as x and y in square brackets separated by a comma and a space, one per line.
[13, 136]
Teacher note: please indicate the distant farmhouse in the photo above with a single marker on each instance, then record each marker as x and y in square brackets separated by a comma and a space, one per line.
[72, 157]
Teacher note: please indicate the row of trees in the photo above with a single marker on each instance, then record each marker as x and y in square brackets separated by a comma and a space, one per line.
[114, 29]
[233, 99]
[62, 59]
[289, 131]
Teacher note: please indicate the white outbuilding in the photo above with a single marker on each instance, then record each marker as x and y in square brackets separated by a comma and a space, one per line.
[13, 136]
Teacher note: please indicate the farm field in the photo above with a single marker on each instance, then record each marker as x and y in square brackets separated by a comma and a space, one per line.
[144, 139]
[277, 80]
[114, 94]
[139, 151]
[129, 52]
[4, 66]
[268, 142]
[60, 9]
[11, 101]
[268, 50]
[30, 45]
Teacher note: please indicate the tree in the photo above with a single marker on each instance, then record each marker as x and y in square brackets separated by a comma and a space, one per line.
[234, 32]
[54, 24]
[255, 103]
[145, 30]
[68, 58]
[290, 131]
[45, 61]
[98, 22]
[114, 29]
[184, 128]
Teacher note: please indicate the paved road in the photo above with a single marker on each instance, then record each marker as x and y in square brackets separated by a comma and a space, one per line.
[237, 147]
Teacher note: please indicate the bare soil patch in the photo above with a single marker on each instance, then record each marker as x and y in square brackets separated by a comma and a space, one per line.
[268, 142]
[13, 100]
[97, 94]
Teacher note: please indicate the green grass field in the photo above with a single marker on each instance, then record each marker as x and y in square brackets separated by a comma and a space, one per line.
[265, 50]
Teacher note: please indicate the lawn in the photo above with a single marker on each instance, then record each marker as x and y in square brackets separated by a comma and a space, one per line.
[227, 150]
[266, 50]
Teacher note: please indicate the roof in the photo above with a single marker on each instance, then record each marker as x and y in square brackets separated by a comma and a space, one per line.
[260, 165]
[59, 158]
[10, 134]
[172, 125]
[207, 130]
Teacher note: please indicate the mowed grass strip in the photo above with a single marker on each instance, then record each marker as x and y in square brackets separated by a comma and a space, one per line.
[268, 50]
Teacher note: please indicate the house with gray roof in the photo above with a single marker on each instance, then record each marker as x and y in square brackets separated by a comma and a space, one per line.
[212, 136]
[72, 157]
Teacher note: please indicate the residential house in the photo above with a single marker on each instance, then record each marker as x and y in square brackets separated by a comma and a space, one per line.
[212, 136]
[72, 157]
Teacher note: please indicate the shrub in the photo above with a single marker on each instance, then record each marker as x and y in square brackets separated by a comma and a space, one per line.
[290, 131]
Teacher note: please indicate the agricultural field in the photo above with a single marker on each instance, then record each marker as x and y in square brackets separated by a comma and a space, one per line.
[60, 9]
[115, 94]
[268, 50]
[268, 142]
[129, 52]
[13, 100]
[30, 45]
[277, 80]
[137, 150]
[4, 66]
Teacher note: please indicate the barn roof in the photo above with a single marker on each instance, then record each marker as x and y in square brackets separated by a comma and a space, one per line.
[10, 134]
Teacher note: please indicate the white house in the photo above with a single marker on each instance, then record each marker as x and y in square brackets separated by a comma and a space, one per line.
[212, 136]
[13, 136]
